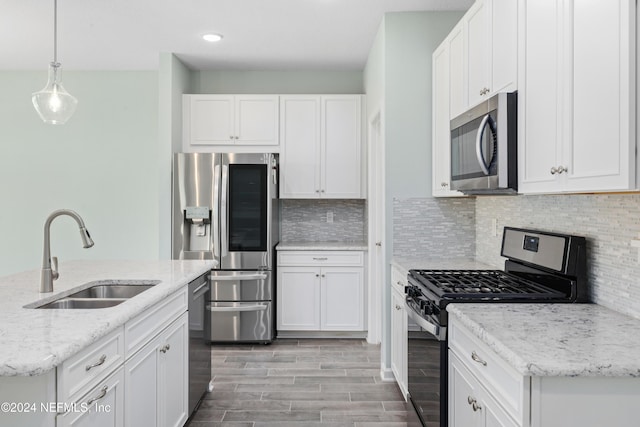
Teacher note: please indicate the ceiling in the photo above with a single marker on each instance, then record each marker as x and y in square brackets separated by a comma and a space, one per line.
[258, 34]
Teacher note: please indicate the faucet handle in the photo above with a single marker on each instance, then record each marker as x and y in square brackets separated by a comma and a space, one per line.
[54, 268]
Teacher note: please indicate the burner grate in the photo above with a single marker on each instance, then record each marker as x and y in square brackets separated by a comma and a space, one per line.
[494, 284]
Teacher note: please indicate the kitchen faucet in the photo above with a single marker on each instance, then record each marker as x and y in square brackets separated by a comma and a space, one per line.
[50, 274]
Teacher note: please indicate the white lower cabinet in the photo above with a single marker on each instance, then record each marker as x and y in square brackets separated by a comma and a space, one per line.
[399, 339]
[103, 406]
[314, 295]
[156, 379]
[485, 391]
[470, 404]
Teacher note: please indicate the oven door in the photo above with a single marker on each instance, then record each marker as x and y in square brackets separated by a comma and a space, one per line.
[427, 372]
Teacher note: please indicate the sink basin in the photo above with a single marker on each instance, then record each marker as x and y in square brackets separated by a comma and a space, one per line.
[103, 294]
[111, 291]
[67, 303]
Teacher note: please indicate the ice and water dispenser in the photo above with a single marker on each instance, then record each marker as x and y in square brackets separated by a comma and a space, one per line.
[193, 228]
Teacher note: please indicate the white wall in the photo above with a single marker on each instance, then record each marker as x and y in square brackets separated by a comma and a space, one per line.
[174, 79]
[103, 163]
[407, 40]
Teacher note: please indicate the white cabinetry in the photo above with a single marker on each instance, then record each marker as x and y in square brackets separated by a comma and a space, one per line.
[486, 391]
[104, 404]
[211, 122]
[399, 330]
[476, 60]
[576, 106]
[321, 147]
[442, 76]
[155, 379]
[320, 291]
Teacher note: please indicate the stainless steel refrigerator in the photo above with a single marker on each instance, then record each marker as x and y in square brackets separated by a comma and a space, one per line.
[225, 208]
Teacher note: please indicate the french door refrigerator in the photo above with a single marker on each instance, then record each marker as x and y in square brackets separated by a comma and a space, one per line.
[225, 208]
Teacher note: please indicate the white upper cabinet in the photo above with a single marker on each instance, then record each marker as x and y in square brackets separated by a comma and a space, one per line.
[477, 32]
[214, 121]
[321, 148]
[490, 34]
[456, 89]
[576, 124]
[441, 147]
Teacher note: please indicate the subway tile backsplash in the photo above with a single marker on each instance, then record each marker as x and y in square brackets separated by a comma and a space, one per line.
[306, 220]
[610, 223]
[434, 228]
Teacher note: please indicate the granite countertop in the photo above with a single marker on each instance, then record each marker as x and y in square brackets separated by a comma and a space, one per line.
[556, 339]
[322, 246]
[35, 341]
[425, 263]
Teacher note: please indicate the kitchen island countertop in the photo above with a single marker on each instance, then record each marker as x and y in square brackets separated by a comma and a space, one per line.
[551, 340]
[33, 341]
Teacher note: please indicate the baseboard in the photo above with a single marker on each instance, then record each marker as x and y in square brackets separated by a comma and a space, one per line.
[322, 334]
[386, 375]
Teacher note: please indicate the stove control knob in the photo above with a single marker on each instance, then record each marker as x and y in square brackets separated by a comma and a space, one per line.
[427, 309]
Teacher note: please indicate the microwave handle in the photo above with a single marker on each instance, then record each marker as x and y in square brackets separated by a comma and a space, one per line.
[479, 154]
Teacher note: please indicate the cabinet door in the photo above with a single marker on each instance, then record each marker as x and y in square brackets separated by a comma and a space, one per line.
[539, 102]
[599, 150]
[478, 51]
[173, 373]
[441, 149]
[300, 147]
[493, 415]
[256, 119]
[341, 173]
[141, 387]
[342, 299]
[105, 402]
[463, 388]
[298, 297]
[457, 87]
[211, 119]
[504, 45]
[399, 340]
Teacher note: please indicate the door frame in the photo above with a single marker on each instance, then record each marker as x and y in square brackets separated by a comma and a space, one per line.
[376, 225]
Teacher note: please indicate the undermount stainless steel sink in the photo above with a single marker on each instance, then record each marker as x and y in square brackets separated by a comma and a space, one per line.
[111, 291]
[66, 303]
[103, 294]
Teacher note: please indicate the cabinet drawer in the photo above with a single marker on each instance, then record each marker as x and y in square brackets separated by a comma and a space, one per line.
[501, 380]
[94, 363]
[142, 328]
[320, 258]
[398, 279]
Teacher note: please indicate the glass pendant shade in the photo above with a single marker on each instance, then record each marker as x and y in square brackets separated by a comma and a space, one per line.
[54, 104]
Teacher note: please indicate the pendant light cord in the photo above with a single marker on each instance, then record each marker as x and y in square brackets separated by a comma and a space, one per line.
[55, 31]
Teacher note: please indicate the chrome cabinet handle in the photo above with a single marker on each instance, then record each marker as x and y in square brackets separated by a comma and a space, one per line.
[322, 275]
[558, 170]
[379, 244]
[474, 404]
[317, 275]
[398, 307]
[444, 184]
[320, 258]
[103, 393]
[165, 348]
[399, 283]
[100, 361]
[477, 358]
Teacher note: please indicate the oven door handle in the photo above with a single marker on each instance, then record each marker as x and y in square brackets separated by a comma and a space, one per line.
[428, 326]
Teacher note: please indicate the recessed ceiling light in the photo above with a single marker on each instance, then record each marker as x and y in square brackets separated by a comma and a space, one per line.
[212, 37]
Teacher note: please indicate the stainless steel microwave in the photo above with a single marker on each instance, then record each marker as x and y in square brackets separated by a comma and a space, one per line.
[484, 147]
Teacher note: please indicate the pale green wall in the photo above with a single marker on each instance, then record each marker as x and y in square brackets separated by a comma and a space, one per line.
[174, 79]
[399, 77]
[103, 163]
[278, 82]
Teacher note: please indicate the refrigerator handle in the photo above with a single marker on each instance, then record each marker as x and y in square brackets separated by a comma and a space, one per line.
[223, 211]
[216, 212]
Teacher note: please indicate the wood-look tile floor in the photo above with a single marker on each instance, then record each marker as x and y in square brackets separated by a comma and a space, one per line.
[306, 383]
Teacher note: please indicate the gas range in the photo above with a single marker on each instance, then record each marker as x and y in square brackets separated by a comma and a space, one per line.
[541, 267]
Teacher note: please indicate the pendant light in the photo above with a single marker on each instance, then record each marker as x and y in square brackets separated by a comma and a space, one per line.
[54, 104]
